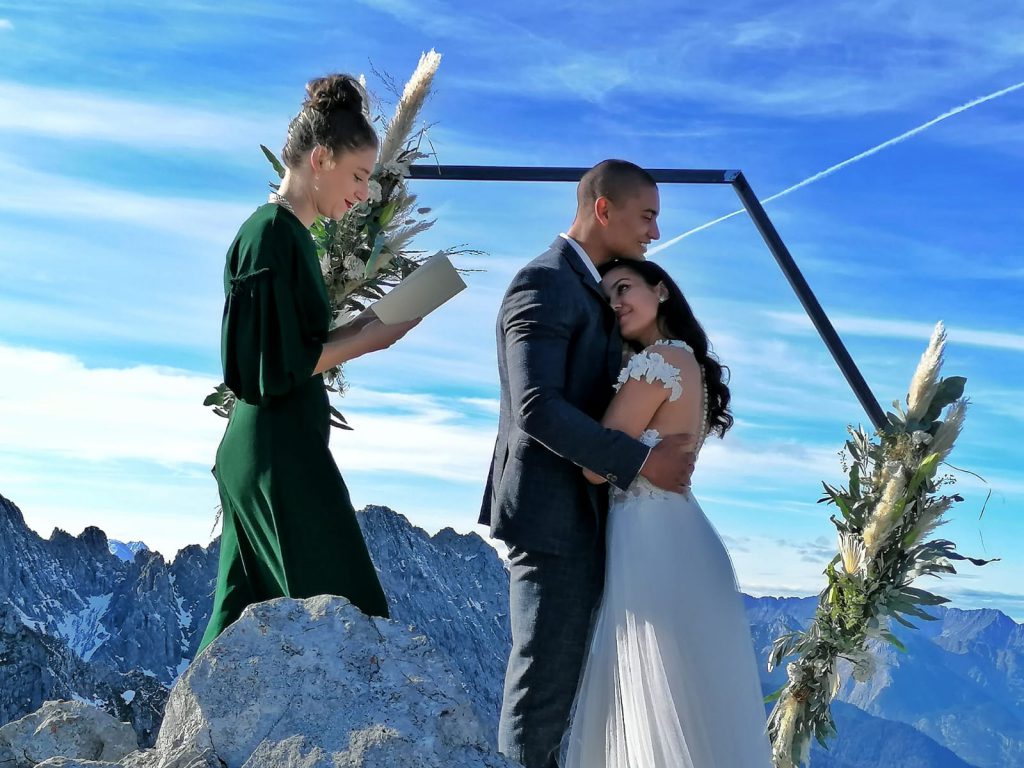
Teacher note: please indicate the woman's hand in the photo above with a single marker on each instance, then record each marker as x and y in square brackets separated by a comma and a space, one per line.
[376, 336]
[352, 328]
[346, 343]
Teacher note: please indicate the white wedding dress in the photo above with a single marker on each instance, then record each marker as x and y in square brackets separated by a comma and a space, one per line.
[670, 679]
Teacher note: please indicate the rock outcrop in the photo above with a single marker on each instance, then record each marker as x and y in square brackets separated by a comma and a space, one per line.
[65, 729]
[454, 588]
[316, 683]
[292, 684]
[36, 667]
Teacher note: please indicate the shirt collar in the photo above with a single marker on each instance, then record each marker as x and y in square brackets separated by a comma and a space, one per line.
[583, 257]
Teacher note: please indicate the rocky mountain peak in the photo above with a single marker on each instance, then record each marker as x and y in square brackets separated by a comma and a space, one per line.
[95, 541]
[79, 622]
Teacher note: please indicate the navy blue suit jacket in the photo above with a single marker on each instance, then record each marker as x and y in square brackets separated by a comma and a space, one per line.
[559, 354]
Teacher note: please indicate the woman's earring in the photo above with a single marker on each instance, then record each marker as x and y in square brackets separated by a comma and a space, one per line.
[662, 299]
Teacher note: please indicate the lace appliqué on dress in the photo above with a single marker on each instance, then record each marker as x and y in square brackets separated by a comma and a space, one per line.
[654, 368]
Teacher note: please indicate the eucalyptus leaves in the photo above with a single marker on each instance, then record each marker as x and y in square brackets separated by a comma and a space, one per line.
[892, 503]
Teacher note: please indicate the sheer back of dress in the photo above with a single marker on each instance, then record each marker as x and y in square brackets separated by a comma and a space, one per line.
[685, 411]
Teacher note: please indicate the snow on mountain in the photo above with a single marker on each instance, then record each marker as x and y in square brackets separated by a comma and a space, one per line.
[126, 551]
[77, 617]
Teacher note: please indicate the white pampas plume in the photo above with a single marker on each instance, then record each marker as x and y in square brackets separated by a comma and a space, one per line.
[782, 744]
[399, 239]
[409, 105]
[882, 519]
[926, 378]
[949, 430]
[931, 518]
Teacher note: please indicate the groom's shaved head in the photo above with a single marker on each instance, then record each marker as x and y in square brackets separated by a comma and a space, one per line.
[616, 180]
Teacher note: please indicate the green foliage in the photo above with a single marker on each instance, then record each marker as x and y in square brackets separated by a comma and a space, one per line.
[278, 166]
[222, 400]
[882, 552]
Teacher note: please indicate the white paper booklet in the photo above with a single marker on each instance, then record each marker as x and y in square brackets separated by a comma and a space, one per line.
[433, 283]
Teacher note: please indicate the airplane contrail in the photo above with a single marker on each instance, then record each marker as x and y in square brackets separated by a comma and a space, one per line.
[850, 161]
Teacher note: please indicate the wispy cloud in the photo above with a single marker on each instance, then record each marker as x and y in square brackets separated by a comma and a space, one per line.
[53, 404]
[477, 26]
[743, 59]
[901, 329]
[1005, 402]
[990, 133]
[212, 221]
[817, 552]
[418, 435]
[145, 125]
[1000, 485]
[6, 25]
[1010, 603]
[487, 405]
[86, 319]
[850, 161]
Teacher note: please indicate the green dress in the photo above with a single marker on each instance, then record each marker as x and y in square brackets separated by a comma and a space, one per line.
[289, 529]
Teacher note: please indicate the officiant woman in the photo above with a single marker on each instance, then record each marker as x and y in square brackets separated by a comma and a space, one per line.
[289, 528]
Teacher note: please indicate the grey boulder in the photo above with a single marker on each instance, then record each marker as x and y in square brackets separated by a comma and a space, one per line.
[315, 683]
[71, 730]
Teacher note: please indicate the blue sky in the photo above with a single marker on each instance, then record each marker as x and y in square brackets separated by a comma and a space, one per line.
[129, 138]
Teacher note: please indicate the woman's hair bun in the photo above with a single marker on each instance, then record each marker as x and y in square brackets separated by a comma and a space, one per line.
[335, 115]
[335, 92]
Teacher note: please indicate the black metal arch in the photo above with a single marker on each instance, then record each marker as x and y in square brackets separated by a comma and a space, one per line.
[683, 176]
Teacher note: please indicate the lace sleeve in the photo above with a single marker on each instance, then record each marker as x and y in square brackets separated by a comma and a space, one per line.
[653, 368]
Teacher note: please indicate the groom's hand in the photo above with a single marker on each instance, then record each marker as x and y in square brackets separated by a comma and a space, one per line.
[670, 465]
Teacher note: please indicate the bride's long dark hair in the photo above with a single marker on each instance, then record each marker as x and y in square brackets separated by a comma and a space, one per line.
[677, 321]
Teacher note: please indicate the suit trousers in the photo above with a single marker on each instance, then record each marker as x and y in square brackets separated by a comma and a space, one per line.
[552, 599]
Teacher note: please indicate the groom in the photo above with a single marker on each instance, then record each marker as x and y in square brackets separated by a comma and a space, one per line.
[559, 353]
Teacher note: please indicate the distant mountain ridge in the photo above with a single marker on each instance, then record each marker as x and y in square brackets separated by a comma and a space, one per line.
[77, 621]
[144, 614]
[99, 626]
[126, 551]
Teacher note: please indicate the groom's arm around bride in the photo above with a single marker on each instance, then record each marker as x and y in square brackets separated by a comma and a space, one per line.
[559, 377]
[559, 354]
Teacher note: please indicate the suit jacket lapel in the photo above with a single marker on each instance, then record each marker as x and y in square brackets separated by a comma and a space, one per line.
[569, 254]
[611, 326]
[615, 360]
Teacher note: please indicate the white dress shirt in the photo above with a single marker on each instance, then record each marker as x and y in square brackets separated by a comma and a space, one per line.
[583, 257]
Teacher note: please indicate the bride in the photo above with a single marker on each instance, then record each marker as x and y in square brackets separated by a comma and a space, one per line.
[670, 680]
